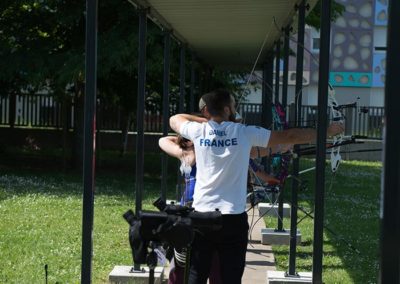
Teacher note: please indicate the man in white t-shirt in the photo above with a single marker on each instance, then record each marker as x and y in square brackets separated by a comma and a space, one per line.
[222, 157]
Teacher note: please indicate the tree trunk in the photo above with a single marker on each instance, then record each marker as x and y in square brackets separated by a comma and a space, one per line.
[125, 125]
[65, 108]
[77, 148]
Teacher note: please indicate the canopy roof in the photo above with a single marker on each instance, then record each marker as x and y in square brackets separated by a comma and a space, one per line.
[225, 33]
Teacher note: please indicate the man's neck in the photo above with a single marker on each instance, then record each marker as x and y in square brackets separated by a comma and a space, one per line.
[219, 119]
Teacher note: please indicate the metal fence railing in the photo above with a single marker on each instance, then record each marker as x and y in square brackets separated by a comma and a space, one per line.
[359, 120]
[47, 112]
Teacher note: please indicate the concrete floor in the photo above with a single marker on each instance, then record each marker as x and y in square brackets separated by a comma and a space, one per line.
[259, 257]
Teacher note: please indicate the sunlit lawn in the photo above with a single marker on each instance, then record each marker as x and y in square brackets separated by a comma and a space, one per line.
[41, 223]
[352, 213]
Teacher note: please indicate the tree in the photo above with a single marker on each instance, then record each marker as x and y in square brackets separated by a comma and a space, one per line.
[42, 45]
[313, 19]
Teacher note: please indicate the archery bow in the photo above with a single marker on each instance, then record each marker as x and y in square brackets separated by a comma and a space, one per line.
[280, 163]
[338, 117]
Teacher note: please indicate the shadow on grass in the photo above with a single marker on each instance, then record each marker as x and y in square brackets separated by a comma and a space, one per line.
[28, 174]
[352, 215]
[108, 161]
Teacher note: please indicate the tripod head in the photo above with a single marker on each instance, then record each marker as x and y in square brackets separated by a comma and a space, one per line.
[173, 226]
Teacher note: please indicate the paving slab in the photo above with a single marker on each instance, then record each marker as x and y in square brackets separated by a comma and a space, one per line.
[259, 257]
[122, 274]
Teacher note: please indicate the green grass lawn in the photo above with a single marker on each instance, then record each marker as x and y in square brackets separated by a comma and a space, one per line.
[41, 223]
[352, 201]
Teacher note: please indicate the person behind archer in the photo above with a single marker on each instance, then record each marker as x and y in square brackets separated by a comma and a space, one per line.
[182, 148]
[222, 153]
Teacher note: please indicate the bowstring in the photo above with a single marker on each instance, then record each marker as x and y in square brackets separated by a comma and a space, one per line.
[252, 73]
[333, 176]
[267, 34]
[277, 123]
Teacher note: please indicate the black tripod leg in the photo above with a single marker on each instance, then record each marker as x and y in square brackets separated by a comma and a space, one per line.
[330, 231]
[151, 275]
[152, 263]
[187, 266]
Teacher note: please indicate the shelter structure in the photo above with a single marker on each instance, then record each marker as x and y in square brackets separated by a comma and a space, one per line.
[237, 35]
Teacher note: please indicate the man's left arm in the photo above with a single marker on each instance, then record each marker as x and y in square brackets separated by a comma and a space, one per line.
[301, 135]
[292, 136]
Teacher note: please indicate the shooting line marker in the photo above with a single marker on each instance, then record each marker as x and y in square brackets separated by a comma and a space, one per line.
[123, 275]
[275, 277]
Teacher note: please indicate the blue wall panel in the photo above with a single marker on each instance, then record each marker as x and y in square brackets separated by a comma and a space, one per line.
[350, 79]
[379, 70]
[381, 12]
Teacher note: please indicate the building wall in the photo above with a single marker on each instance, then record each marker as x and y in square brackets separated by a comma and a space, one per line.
[357, 59]
[377, 97]
[255, 97]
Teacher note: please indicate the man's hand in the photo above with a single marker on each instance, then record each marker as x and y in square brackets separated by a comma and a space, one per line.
[334, 129]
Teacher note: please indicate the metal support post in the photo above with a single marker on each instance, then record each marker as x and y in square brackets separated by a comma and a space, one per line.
[266, 116]
[295, 172]
[192, 82]
[89, 140]
[277, 69]
[390, 196]
[285, 67]
[182, 103]
[140, 112]
[182, 78]
[277, 77]
[166, 74]
[140, 108]
[321, 140]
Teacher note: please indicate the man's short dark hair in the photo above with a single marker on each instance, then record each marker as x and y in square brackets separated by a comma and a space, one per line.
[216, 101]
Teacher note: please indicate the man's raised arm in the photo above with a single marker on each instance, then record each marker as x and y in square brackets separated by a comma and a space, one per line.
[301, 135]
[177, 120]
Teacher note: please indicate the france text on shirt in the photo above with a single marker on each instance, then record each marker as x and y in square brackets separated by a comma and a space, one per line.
[218, 142]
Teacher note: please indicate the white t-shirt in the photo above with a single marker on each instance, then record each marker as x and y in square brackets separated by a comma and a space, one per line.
[222, 160]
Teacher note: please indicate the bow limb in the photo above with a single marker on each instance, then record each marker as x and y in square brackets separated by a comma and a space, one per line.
[338, 117]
